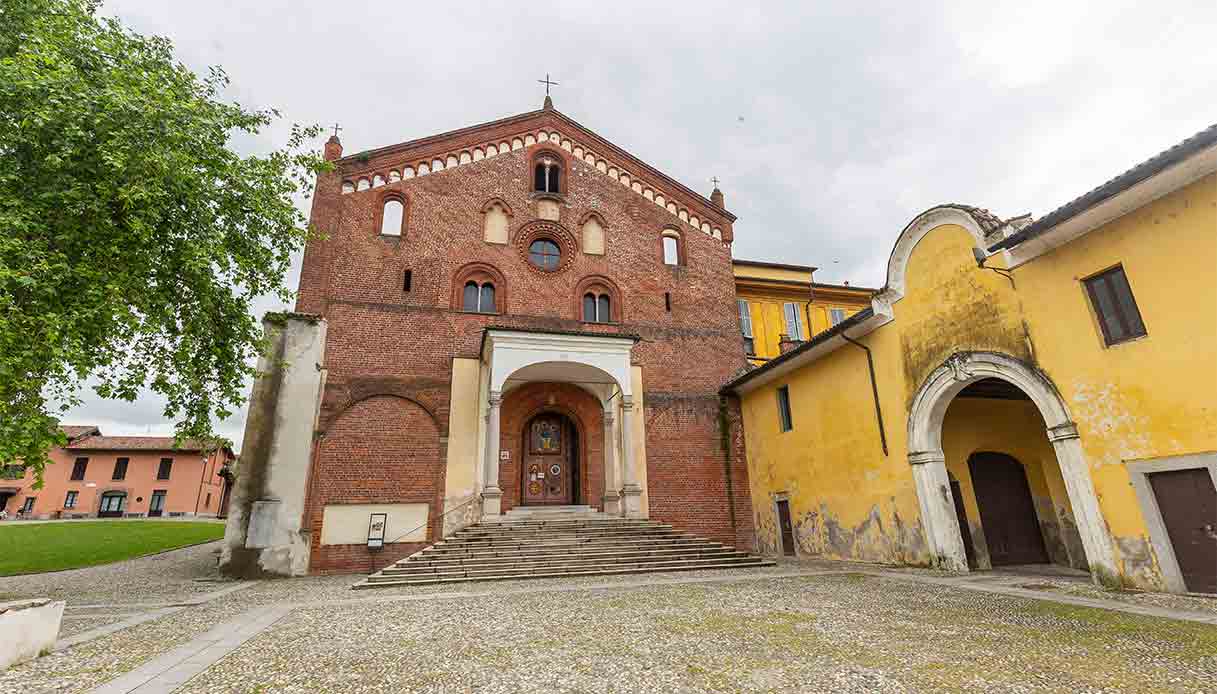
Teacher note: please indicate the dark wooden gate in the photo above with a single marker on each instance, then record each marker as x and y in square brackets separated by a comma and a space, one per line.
[1188, 503]
[787, 527]
[1007, 512]
[549, 461]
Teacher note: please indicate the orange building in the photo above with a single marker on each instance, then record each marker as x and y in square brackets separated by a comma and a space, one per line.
[120, 477]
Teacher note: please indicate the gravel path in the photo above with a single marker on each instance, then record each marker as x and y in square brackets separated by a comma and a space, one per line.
[822, 633]
[772, 631]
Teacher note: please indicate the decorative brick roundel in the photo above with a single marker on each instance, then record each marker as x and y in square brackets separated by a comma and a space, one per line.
[551, 231]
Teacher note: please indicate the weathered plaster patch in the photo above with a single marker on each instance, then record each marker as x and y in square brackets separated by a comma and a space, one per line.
[1101, 410]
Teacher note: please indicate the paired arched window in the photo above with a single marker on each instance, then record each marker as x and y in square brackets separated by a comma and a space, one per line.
[479, 297]
[671, 248]
[547, 174]
[392, 216]
[597, 308]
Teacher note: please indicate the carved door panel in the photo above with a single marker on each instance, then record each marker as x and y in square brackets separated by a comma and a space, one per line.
[547, 461]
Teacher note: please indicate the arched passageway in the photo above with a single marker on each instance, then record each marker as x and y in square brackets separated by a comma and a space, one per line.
[996, 377]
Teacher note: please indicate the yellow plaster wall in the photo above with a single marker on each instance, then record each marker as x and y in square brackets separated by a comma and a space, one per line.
[847, 499]
[1152, 397]
[821, 319]
[768, 321]
[772, 273]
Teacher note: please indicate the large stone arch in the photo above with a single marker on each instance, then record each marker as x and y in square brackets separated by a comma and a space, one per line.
[926, 457]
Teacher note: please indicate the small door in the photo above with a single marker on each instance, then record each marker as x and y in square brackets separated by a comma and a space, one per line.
[548, 468]
[787, 527]
[1188, 503]
[1012, 531]
[156, 506]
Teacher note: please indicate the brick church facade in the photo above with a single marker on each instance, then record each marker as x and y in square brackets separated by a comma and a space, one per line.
[517, 313]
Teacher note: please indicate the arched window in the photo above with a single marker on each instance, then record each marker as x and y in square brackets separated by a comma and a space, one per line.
[392, 217]
[597, 308]
[544, 254]
[547, 175]
[479, 298]
[671, 248]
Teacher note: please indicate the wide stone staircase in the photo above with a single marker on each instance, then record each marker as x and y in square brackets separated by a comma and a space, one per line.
[557, 541]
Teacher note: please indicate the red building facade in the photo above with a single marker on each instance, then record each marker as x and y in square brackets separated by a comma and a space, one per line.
[519, 313]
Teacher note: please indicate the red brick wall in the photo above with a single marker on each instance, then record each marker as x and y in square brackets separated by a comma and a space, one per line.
[382, 450]
[384, 340]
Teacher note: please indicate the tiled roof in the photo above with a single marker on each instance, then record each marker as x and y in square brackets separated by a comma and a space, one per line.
[73, 431]
[1201, 140]
[132, 443]
[986, 219]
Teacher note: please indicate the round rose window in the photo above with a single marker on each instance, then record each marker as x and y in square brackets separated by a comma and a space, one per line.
[544, 254]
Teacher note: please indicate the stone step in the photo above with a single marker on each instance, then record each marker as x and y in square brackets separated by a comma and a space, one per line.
[434, 564]
[543, 548]
[561, 536]
[692, 566]
[563, 522]
[534, 529]
[529, 568]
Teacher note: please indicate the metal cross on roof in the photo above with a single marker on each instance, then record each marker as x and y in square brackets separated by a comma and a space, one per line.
[714, 180]
[547, 83]
[336, 129]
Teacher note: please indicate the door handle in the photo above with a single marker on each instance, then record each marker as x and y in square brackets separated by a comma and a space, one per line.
[1210, 530]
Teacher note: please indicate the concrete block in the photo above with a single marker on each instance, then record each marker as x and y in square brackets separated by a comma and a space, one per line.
[28, 629]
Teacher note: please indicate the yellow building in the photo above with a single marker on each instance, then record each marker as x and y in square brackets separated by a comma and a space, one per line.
[779, 302]
[1018, 392]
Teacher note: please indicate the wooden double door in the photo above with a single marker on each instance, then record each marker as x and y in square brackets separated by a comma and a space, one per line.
[1007, 511]
[551, 465]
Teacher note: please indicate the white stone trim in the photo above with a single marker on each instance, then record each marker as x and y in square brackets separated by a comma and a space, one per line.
[926, 415]
[507, 352]
[594, 162]
[1138, 474]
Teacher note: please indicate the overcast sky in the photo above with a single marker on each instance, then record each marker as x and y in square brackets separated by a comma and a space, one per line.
[829, 127]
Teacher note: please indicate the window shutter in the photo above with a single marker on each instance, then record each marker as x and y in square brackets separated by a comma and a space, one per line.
[745, 319]
[793, 328]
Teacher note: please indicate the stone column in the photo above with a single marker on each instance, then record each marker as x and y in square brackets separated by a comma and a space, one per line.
[492, 496]
[612, 497]
[938, 520]
[631, 493]
[1085, 504]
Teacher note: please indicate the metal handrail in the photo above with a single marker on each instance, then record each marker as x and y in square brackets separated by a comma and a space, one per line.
[430, 517]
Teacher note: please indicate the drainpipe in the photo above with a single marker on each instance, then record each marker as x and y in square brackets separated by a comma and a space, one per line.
[874, 388]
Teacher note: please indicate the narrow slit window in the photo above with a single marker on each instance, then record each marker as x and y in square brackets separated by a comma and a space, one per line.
[784, 408]
[407, 280]
[667, 301]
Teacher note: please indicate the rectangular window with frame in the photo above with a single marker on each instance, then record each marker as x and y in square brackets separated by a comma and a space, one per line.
[1114, 305]
[156, 505]
[836, 315]
[70, 500]
[784, 408]
[78, 468]
[162, 473]
[120, 469]
[794, 328]
[745, 326]
[28, 506]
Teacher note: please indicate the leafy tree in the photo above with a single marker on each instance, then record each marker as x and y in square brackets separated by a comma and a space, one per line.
[133, 239]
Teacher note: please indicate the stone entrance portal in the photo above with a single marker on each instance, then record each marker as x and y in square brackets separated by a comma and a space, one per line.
[551, 466]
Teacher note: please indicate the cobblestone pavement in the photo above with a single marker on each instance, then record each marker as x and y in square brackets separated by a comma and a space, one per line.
[774, 630]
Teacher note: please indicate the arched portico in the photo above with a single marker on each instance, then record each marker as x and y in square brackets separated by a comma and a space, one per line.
[599, 364]
[926, 456]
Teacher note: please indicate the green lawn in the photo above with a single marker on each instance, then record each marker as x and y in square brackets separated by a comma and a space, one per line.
[36, 547]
